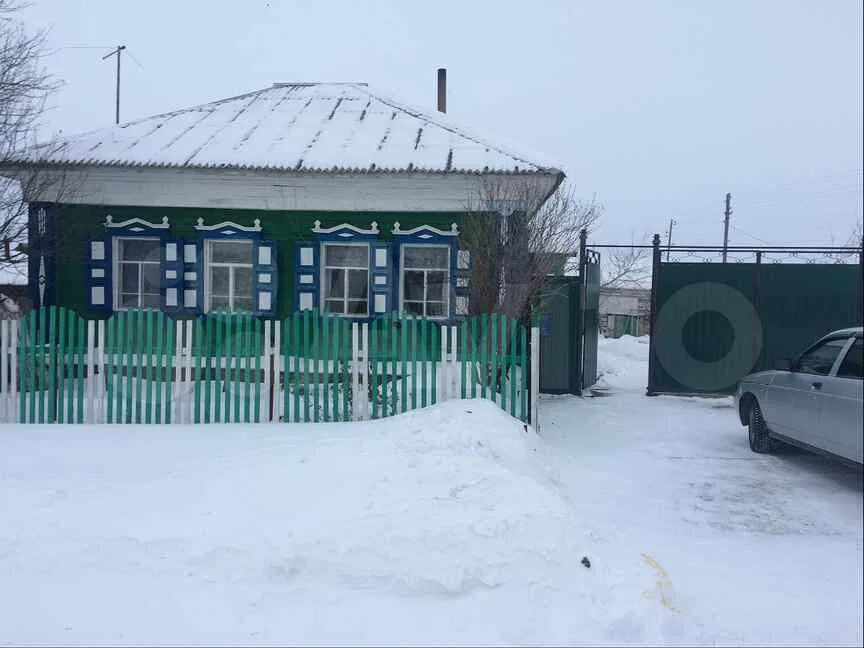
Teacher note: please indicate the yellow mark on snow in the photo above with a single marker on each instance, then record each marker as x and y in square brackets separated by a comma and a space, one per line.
[663, 587]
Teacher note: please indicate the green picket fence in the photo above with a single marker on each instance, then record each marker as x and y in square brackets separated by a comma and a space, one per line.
[52, 368]
[229, 376]
[316, 354]
[494, 355]
[140, 366]
[412, 362]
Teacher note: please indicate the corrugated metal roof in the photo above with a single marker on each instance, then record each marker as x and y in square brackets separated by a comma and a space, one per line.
[314, 127]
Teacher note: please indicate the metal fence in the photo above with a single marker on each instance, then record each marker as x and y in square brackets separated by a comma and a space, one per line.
[142, 366]
[718, 314]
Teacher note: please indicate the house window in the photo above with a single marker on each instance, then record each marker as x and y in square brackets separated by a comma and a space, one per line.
[345, 290]
[228, 277]
[426, 280]
[137, 273]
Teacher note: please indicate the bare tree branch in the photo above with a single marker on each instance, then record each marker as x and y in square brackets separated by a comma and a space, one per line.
[627, 267]
[24, 87]
[518, 234]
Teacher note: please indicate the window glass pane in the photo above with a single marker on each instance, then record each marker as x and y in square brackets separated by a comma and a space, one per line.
[139, 250]
[853, 364]
[358, 284]
[425, 257]
[151, 301]
[231, 252]
[128, 300]
[820, 360]
[218, 302]
[150, 278]
[334, 283]
[356, 307]
[414, 308]
[346, 255]
[413, 285]
[436, 309]
[435, 284]
[334, 306]
[243, 282]
[219, 280]
[242, 304]
[129, 277]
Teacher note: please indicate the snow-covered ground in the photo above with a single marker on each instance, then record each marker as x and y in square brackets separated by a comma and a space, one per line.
[452, 524]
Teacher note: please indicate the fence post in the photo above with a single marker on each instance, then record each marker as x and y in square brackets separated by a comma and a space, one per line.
[364, 379]
[535, 376]
[16, 331]
[268, 374]
[443, 375]
[355, 360]
[89, 371]
[453, 372]
[4, 366]
[13, 370]
[99, 410]
[655, 280]
[175, 406]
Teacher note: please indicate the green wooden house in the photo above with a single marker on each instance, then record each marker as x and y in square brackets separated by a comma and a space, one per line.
[321, 196]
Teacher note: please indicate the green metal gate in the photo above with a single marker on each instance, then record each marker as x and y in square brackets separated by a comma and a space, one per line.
[569, 322]
[712, 323]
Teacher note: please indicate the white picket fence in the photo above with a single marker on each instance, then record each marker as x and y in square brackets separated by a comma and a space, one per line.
[92, 383]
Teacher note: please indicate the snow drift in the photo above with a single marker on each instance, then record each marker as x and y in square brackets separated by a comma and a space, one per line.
[444, 500]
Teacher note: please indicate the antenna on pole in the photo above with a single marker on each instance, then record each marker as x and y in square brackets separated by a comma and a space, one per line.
[116, 53]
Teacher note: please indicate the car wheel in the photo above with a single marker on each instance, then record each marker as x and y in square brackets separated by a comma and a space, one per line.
[756, 431]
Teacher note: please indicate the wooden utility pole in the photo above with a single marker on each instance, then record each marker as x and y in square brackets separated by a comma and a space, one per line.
[672, 222]
[727, 214]
[116, 52]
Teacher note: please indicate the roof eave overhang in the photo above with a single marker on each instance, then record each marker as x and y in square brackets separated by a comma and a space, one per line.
[17, 166]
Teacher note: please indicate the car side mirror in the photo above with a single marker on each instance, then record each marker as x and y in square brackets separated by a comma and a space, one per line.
[783, 364]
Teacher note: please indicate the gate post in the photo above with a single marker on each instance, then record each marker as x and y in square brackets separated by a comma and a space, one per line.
[534, 376]
[655, 276]
[577, 385]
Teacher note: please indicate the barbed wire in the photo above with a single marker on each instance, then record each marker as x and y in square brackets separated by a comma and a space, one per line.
[812, 257]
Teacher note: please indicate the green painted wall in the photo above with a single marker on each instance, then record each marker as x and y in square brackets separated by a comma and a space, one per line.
[77, 225]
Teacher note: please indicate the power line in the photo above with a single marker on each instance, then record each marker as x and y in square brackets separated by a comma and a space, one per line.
[755, 238]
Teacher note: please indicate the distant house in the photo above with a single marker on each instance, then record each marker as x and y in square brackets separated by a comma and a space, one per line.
[624, 311]
[321, 196]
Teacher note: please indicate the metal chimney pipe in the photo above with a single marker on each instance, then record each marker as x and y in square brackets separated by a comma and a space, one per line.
[442, 90]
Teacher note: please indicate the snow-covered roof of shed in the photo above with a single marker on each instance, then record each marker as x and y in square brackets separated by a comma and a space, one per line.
[313, 127]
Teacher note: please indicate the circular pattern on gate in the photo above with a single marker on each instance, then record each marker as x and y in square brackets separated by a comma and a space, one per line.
[741, 355]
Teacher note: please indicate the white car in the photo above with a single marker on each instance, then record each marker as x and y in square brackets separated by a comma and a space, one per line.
[814, 401]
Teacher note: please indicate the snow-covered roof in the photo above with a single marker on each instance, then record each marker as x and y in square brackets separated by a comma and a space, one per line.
[314, 127]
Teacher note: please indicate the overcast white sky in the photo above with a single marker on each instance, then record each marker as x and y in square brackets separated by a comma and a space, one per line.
[657, 108]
